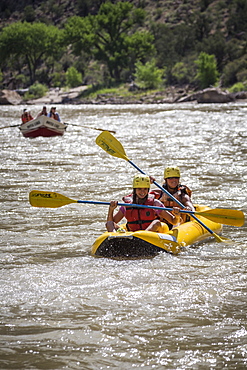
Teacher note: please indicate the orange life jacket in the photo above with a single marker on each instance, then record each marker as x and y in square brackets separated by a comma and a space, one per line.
[169, 202]
[139, 218]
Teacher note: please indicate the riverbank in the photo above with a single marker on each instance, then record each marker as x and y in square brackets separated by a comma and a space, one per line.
[78, 96]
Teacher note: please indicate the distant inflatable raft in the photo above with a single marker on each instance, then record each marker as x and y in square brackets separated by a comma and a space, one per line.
[148, 244]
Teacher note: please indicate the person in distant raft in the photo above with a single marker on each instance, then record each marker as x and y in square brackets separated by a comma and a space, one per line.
[141, 218]
[43, 112]
[53, 114]
[180, 192]
[26, 116]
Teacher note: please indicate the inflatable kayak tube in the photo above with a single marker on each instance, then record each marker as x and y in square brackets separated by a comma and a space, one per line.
[143, 243]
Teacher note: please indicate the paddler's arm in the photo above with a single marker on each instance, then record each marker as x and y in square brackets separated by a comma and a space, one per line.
[187, 203]
[111, 223]
[172, 217]
[118, 216]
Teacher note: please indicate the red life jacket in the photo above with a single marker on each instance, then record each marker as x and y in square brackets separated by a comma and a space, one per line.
[26, 118]
[139, 218]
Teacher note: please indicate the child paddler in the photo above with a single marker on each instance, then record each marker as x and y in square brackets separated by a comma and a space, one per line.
[141, 218]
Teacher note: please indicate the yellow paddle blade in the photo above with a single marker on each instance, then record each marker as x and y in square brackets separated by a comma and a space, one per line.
[221, 239]
[224, 216]
[111, 145]
[48, 199]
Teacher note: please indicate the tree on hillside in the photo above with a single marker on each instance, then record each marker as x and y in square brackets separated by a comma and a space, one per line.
[236, 23]
[111, 37]
[173, 46]
[79, 34]
[215, 45]
[29, 45]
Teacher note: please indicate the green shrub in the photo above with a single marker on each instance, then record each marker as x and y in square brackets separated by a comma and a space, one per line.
[73, 77]
[239, 86]
[36, 91]
[58, 79]
[207, 73]
[148, 76]
[21, 79]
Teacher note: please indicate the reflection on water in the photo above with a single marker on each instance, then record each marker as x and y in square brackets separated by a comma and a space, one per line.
[62, 308]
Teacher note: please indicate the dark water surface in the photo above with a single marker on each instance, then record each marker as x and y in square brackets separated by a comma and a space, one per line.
[61, 308]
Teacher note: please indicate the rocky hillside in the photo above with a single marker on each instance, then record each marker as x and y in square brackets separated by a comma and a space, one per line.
[170, 12]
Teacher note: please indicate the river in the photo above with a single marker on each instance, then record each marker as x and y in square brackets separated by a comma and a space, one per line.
[62, 308]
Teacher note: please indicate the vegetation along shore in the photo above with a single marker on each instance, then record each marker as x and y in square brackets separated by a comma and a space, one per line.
[122, 52]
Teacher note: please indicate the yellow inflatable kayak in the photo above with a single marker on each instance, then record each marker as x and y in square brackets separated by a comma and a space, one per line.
[148, 244]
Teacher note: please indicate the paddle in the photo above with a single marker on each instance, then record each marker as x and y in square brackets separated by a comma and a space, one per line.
[49, 199]
[9, 126]
[113, 147]
[93, 128]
